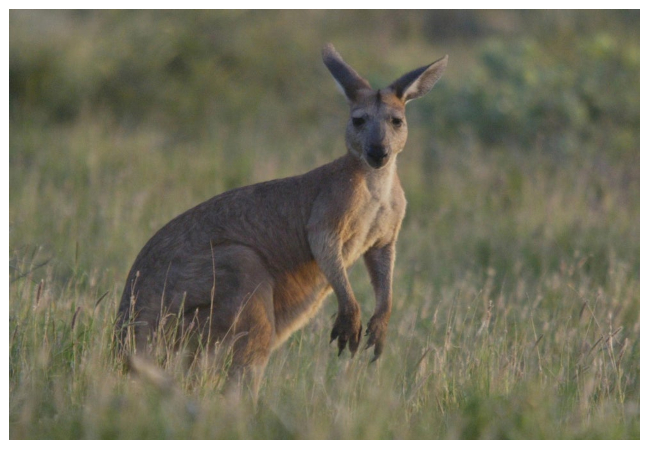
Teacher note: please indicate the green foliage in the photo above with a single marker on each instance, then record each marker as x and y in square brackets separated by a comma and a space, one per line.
[517, 285]
[525, 93]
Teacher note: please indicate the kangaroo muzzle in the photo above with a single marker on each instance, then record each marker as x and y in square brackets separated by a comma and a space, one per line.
[377, 156]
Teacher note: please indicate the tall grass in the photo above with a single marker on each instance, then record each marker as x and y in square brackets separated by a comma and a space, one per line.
[516, 285]
[506, 324]
[467, 359]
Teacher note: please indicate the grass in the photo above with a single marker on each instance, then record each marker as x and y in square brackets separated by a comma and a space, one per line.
[506, 324]
[516, 290]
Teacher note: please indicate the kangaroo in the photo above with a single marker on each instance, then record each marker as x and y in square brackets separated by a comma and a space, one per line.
[250, 266]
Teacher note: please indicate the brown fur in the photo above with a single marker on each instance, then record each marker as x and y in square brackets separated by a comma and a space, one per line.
[250, 266]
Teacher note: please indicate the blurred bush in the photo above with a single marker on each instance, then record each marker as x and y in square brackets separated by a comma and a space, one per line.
[524, 93]
[548, 78]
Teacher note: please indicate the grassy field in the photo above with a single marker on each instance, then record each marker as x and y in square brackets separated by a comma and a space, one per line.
[516, 291]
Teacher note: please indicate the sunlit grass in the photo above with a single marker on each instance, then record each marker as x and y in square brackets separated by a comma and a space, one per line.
[473, 365]
[514, 317]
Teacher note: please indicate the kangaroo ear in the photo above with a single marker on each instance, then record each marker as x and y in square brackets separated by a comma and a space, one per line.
[420, 81]
[348, 81]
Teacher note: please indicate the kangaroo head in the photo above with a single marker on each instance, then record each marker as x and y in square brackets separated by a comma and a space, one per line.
[377, 130]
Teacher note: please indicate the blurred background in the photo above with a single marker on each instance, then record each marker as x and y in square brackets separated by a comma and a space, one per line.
[117, 112]
[521, 173]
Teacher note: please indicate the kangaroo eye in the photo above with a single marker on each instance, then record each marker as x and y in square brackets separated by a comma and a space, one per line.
[397, 122]
[358, 121]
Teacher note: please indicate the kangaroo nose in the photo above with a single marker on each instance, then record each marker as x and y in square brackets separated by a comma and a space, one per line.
[377, 155]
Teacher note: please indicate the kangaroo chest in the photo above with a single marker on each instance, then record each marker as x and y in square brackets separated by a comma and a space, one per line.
[374, 221]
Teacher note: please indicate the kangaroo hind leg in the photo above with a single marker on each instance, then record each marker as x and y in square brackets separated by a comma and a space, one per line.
[249, 329]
